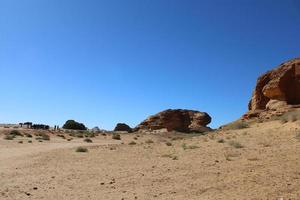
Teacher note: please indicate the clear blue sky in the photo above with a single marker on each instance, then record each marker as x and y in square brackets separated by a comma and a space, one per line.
[106, 61]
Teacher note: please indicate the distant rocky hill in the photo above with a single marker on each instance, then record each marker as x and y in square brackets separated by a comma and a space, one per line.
[177, 120]
[276, 92]
[123, 127]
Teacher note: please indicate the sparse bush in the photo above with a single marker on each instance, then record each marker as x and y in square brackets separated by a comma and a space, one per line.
[132, 143]
[167, 156]
[88, 140]
[90, 134]
[9, 137]
[298, 136]
[290, 117]
[236, 125]
[72, 135]
[81, 149]
[29, 141]
[61, 136]
[229, 156]
[149, 141]
[185, 146]
[116, 136]
[28, 135]
[221, 140]
[177, 138]
[168, 143]
[211, 136]
[15, 133]
[135, 138]
[283, 120]
[73, 125]
[42, 136]
[253, 159]
[175, 158]
[193, 147]
[235, 144]
[20, 142]
[45, 137]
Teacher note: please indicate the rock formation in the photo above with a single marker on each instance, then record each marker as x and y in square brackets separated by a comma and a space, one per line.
[123, 127]
[177, 120]
[277, 90]
[96, 129]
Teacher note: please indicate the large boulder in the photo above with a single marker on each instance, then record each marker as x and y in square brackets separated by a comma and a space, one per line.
[277, 90]
[177, 120]
[123, 127]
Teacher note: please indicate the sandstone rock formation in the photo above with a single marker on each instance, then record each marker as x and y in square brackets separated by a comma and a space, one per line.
[123, 127]
[277, 90]
[177, 120]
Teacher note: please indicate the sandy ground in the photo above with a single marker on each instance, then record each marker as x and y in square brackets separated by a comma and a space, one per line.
[200, 167]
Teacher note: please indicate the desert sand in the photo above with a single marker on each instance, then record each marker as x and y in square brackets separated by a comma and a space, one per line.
[260, 162]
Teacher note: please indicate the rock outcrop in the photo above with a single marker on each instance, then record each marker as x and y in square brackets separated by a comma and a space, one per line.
[277, 90]
[177, 120]
[96, 130]
[123, 127]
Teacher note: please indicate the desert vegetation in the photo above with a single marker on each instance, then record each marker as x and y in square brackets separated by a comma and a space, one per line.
[116, 136]
[88, 140]
[236, 125]
[186, 147]
[81, 150]
[42, 136]
[235, 144]
[132, 143]
[289, 117]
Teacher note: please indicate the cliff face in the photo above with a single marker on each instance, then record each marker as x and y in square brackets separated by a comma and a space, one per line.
[277, 89]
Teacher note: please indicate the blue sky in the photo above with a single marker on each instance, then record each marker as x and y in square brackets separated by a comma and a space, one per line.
[107, 61]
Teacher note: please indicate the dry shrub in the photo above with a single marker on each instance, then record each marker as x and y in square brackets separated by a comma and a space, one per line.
[236, 125]
[185, 146]
[116, 136]
[81, 150]
[290, 117]
[88, 140]
[132, 143]
[149, 141]
[235, 144]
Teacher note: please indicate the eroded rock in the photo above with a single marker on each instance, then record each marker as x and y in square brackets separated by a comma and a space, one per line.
[276, 90]
[177, 120]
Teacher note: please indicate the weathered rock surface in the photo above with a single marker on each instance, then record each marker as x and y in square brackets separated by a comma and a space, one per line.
[123, 127]
[277, 90]
[177, 120]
